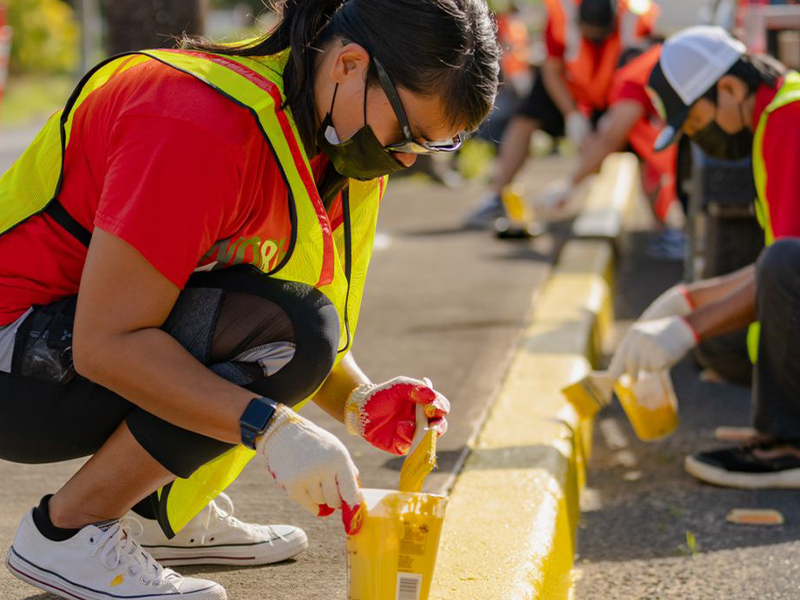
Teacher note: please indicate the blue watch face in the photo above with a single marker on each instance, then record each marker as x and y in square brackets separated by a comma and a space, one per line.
[258, 414]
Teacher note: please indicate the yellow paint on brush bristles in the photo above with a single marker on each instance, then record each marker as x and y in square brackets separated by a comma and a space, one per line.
[421, 459]
[419, 464]
[590, 394]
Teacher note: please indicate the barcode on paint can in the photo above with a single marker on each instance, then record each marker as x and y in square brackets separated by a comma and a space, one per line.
[408, 586]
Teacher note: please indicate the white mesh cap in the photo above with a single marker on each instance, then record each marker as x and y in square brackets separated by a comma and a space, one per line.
[695, 59]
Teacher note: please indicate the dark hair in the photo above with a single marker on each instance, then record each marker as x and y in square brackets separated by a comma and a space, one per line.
[754, 70]
[600, 13]
[430, 47]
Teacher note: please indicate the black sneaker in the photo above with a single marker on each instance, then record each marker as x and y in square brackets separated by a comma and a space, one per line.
[743, 468]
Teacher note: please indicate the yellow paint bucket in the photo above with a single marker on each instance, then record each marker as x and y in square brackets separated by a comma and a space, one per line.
[393, 556]
[650, 403]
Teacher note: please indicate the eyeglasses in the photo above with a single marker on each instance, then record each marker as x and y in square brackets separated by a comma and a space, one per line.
[409, 145]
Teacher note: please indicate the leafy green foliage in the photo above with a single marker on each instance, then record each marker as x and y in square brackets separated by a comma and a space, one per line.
[46, 36]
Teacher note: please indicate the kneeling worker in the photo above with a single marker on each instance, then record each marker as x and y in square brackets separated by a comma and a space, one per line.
[585, 40]
[732, 104]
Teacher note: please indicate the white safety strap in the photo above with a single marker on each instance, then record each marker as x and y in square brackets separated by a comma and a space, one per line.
[628, 25]
[573, 38]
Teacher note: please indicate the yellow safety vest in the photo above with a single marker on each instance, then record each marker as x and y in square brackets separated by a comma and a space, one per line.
[333, 261]
[789, 92]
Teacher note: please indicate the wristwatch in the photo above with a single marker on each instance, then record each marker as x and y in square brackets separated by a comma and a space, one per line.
[255, 419]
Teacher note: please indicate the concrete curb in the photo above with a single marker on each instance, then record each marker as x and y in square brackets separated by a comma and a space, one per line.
[513, 513]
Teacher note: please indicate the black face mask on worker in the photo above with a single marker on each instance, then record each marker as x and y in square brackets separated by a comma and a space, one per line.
[361, 157]
[718, 143]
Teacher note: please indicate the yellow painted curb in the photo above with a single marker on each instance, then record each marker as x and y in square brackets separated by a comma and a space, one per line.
[610, 197]
[513, 513]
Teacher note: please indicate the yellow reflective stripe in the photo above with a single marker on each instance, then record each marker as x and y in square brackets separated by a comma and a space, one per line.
[100, 77]
[753, 337]
[760, 177]
[789, 93]
[30, 184]
[253, 95]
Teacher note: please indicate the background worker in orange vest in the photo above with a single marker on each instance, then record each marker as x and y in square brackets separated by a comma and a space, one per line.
[633, 121]
[732, 105]
[585, 40]
[183, 253]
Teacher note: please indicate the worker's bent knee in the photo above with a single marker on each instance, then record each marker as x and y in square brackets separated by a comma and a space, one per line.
[287, 345]
[778, 267]
[315, 323]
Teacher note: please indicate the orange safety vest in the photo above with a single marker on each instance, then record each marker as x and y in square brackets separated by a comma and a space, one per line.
[589, 82]
[643, 136]
[333, 260]
[515, 42]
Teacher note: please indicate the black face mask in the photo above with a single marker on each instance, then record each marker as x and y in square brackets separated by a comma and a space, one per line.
[718, 143]
[362, 157]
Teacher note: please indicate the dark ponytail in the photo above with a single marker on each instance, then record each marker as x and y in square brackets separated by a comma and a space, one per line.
[443, 48]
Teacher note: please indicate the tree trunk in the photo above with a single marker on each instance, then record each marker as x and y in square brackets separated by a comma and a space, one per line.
[140, 24]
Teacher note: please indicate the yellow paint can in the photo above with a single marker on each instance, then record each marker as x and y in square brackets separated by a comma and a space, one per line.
[650, 404]
[393, 556]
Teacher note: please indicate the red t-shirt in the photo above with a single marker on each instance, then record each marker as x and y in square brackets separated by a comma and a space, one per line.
[629, 85]
[167, 164]
[782, 159]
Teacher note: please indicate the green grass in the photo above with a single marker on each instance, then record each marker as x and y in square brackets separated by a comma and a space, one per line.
[30, 99]
[691, 548]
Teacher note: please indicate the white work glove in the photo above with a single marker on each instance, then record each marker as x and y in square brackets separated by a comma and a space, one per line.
[312, 466]
[385, 414]
[675, 302]
[554, 196]
[577, 127]
[653, 346]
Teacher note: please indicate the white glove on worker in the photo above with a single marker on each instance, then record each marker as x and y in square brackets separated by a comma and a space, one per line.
[577, 127]
[554, 196]
[653, 346]
[675, 302]
[310, 464]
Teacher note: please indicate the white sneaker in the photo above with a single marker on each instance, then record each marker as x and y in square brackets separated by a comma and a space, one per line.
[99, 563]
[215, 537]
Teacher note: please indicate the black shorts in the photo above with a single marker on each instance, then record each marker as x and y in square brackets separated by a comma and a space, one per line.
[539, 106]
[276, 338]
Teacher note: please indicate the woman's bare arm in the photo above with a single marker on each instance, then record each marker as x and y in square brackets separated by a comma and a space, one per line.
[732, 308]
[122, 303]
[344, 378]
[612, 136]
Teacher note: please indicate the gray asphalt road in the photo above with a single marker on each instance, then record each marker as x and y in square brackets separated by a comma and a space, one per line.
[440, 303]
[641, 506]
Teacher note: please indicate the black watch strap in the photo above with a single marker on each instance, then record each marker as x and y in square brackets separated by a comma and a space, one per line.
[255, 419]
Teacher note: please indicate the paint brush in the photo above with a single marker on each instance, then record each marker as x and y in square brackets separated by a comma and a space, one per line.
[421, 458]
[590, 394]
